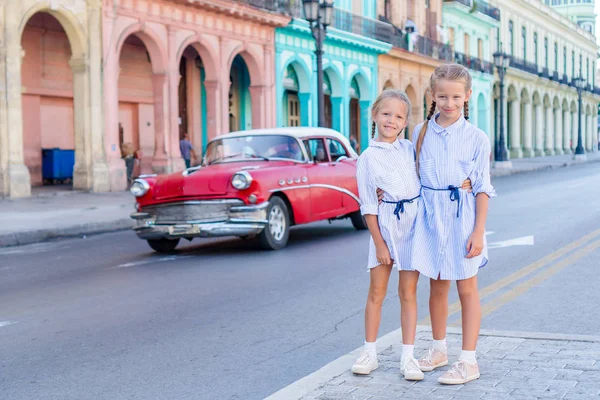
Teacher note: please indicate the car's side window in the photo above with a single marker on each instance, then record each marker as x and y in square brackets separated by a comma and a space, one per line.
[316, 150]
[336, 149]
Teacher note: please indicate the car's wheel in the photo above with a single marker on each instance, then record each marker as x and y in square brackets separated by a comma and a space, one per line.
[276, 233]
[163, 245]
[358, 221]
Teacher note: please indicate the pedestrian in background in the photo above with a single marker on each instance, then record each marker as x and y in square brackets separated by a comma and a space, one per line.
[187, 150]
[129, 155]
[389, 163]
[449, 236]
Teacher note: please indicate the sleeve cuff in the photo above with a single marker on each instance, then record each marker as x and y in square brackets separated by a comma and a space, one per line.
[490, 191]
[370, 209]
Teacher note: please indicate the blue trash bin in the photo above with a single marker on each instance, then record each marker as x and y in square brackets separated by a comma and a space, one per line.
[57, 165]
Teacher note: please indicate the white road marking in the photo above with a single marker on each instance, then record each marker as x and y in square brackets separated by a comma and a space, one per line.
[6, 323]
[522, 241]
[487, 233]
[148, 261]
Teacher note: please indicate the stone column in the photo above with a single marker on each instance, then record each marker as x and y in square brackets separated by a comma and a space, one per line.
[567, 126]
[549, 142]
[529, 131]
[175, 161]
[270, 120]
[336, 111]
[82, 175]
[515, 129]
[213, 109]
[305, 107]
[259, 95]
[574, 125]
[17, 173]
[539, 130]
[99, 165]
[590, 134]
[160, 162]
[558, 131]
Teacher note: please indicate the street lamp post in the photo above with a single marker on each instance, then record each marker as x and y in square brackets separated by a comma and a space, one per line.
[319, 15]
[579, 150]
[501, 61]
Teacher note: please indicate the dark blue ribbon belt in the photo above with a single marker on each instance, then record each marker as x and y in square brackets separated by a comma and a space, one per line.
[400, 205]
[454, 195]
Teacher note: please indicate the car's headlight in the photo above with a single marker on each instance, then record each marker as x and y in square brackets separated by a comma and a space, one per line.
[241, 180]
[139, 187]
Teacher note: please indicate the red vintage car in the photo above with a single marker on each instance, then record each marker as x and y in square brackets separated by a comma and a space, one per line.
[252, 183]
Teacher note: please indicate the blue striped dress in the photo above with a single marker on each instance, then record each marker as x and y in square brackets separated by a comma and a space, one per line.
[390, 167]
[448, 157]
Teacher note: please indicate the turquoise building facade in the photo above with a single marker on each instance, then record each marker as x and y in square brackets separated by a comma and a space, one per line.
[350, 64]
[469, 30]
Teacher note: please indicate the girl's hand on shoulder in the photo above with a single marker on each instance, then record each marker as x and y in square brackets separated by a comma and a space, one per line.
[383, 254]
[380, 195]
[467, 185]
[474, 244]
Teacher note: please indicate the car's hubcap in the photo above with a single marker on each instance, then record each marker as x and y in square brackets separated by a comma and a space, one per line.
[277, 223]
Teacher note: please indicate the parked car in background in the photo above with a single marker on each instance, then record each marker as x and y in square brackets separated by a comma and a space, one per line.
[252, 183]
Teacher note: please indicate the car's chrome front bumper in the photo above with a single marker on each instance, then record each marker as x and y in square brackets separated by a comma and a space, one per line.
[233, 218]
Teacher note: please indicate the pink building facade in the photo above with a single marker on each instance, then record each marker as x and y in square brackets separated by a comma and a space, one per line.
[90, 76]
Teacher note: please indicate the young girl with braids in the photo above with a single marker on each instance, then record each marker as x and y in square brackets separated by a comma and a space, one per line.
[449, 234]
[389, 163]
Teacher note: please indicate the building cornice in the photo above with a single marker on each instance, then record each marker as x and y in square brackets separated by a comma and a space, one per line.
[238, 10]
[538, 8]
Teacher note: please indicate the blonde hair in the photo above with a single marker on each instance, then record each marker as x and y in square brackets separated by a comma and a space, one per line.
[449, 72]
[386, 95]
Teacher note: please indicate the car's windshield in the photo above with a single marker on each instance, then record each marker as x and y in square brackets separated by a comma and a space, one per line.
[258, 147]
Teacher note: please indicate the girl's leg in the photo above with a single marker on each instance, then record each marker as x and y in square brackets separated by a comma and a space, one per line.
[407, 291]
[438, 307]
[471, 312]
[438, 311]
[380, 277]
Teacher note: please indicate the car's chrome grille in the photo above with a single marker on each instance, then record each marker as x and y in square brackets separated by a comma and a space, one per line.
[192, 211]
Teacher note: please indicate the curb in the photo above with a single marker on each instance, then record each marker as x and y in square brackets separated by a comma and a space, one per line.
[309, 383]
[495, 173]
[22, 238]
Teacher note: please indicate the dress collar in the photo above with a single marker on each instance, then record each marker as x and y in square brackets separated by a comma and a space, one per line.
[449, 129]
[385, 145]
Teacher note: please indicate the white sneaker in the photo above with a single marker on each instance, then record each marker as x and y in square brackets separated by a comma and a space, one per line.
[365, 364]
[460, 373]
[410, 369]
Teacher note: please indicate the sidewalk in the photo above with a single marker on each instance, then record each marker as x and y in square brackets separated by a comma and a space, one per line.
[513, 365]
[522, 165]
[54, 212]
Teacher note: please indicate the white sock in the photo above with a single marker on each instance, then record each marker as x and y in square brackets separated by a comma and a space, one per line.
[371, 348]
[468, 356]
[408, 351]
[440, 345]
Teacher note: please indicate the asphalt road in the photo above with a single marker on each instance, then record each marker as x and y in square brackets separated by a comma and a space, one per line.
[103, 317]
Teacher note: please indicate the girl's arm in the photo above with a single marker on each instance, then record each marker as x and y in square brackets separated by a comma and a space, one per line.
[370, 209]
[483, 191]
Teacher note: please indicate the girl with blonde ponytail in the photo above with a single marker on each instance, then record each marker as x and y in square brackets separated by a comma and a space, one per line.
[449, 239]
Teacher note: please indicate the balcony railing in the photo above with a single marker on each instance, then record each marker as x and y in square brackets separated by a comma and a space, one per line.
[279, 6]
[473, 63]
[353, 23]
[480, 6]
[349, 22]
[434, 49]
[523, 65]
[544, 72]
[554, 76]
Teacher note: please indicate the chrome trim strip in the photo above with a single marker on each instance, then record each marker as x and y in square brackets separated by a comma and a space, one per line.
[337, 188]
[197, 202]
[147, 176]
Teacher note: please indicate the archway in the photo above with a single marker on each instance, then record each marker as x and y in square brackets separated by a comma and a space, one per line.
[482, 114]
[412, 122]
[49, 104]
[360, 101]
[240, 103]
[136, 104]
[296, 95]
